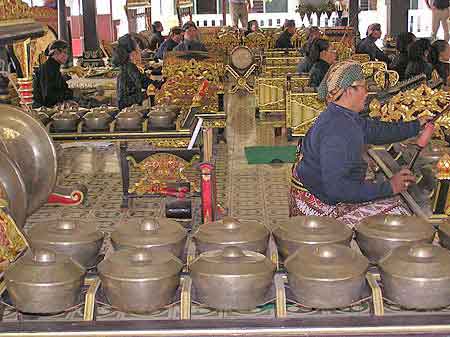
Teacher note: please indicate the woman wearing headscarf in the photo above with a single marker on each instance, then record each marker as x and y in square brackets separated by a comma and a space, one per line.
[130, 81]
[368, 46]
[49, 86]
[400, 62]
[329, 179]
[323, 56]
[440, 58]
[306, 64]
[418, 54]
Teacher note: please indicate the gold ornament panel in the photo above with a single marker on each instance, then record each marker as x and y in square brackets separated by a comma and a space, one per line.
[11, 10]
[160, 169]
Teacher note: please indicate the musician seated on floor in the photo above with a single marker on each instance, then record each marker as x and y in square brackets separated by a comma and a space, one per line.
[284, 41]
[439, 58]
[49, 86]
[329, 179]
[400, 62]
[191, 41]
[306, 64]
[368, 46]
[323, 56]
[174, 39]
[130, 81]
[418, 54]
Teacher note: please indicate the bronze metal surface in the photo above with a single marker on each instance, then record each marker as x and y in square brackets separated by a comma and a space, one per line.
[13, 186]
[74, 238]
[302, 231]
[44, 282]
[162, 235]
[140, 280]
[377, 235]
[232, 278]
[28, 144]
[248, 235]
[417, 276]
[327, 276]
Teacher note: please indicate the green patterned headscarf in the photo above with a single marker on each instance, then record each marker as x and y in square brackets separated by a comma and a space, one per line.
[339, 77]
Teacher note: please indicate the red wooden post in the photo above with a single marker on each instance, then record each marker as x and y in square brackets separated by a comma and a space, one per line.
[224, 12]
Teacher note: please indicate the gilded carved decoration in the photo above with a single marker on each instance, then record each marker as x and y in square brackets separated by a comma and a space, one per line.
[411, 104]
[378, 73]
[214, 124]
[343, 52]
[443, 168]
[361, 58]
[256, 40]
[209, 69]
[169, 142]
[283, 61]
[12, 241]
[161, 169]
[12, 10]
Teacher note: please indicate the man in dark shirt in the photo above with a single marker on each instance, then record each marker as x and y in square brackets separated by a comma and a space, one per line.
[175, 37]
[49, 86]
[440, 15]
[191, 40]
[368, 46]
[284, 41]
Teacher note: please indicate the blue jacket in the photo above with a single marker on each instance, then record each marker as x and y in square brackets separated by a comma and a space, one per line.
[333, 168]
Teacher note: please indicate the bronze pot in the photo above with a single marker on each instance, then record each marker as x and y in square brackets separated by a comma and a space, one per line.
[13, 189]
[417, 276]
[162, 235]
[97, 121]
[327, 276]
[232, 279]
[129, 120]
[140, 281]
[65, 122]
[301, 231]
[76, 239]
[27, 143]
[160, 119]
[378, 235]
[44, 282]
[247, 235]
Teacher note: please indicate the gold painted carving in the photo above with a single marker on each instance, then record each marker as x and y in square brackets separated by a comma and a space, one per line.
[381, 76]
[256, 40]
[443, 168]
[214, 123]
[12, 10]
[361, 58]
[12, 241]
[169, 142]
[162, 168]
[371, 67]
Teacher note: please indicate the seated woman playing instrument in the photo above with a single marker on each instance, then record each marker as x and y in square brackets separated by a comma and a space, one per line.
[323, 56]
[329, 178]
[130, 81]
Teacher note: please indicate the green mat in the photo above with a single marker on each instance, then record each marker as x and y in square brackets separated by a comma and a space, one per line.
[270, 154]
